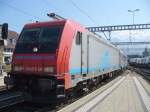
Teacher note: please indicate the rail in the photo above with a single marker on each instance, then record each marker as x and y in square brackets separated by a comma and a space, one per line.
[142, 71]
[9, 98]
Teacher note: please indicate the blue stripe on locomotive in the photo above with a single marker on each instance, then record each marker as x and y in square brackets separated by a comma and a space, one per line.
[104, 65]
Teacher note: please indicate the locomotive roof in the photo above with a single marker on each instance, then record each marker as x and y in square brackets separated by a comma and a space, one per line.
[55, 23]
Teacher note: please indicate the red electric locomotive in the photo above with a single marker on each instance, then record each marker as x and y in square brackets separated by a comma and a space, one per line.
[52, 59]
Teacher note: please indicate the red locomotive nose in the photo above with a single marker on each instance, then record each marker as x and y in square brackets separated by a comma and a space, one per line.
[36, 49]
[34, 63]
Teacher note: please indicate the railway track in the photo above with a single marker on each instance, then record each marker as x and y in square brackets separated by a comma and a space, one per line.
[142, 71]
[28, 107]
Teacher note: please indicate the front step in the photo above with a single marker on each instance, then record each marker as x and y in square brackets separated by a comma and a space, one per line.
[60, 91]
[61, 96]
[60, 86]
[11, 98]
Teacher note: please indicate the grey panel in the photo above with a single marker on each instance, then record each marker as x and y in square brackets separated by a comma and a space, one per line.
[84, 53]
[98, 57]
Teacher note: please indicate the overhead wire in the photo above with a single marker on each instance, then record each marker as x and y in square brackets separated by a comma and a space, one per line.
[47, 2]
[19, 10]
[33, 16]
[82, 11]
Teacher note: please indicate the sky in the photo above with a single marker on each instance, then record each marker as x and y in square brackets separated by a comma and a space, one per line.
[87, 12]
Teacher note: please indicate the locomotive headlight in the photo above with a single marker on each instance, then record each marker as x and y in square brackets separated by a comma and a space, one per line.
[18, 68]
[49, 69]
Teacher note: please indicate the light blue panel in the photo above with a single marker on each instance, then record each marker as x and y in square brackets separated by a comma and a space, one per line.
[105, 61]
[74, 71]
[104, 65]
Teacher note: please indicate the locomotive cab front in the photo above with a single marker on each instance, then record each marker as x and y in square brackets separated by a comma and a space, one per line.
[36, 50]
[34, 63]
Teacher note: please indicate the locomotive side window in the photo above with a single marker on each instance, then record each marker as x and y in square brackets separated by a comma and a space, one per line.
[78, 38]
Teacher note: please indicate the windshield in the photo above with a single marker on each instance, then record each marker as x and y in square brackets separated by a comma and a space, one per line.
[40, 40]
[29, 36]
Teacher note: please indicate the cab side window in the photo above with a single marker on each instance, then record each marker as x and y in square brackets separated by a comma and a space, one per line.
[78, 38]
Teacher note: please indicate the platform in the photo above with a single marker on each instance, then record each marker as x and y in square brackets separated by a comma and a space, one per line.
[127, 93]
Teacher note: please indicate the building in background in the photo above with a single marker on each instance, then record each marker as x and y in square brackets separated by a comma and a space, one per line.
[8, 49]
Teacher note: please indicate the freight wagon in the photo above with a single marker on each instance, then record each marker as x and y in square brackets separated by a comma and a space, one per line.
[140, 62]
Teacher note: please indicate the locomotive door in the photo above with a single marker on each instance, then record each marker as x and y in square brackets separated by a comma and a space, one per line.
[79, 54]
[84, 54]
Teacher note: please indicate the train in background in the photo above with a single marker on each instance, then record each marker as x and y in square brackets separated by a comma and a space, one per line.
[140, 62]
[55, 59]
